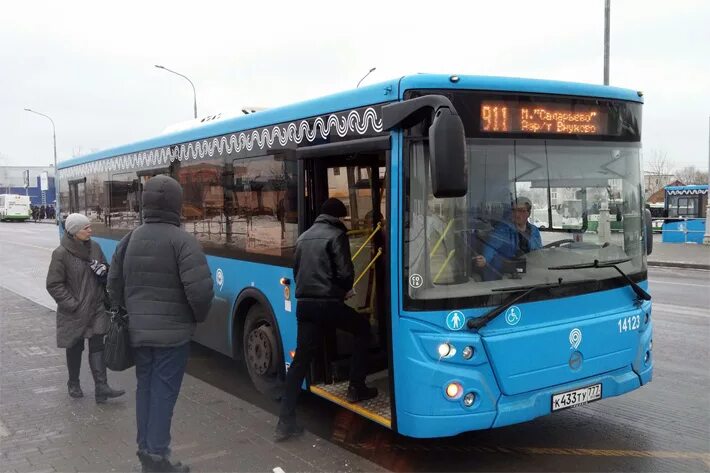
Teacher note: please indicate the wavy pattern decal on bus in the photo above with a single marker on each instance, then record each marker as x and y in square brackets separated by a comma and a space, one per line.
[354, 122]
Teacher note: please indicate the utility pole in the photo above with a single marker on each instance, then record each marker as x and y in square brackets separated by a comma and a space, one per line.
[363, 77]
[56, 171]
[194, 93]
[607, 7]
[706, 237]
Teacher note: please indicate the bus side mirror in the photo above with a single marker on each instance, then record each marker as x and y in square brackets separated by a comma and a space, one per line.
[447, 140]
[447, 147]
[648, 226]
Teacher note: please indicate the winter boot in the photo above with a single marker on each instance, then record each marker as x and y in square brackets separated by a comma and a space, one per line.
[286, 430]
[153, 463]
[102, 390]
[146, 462]
[360, 392]
[75, 389]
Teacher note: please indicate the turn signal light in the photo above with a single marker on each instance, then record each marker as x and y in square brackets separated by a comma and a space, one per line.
[467, 353]
[454, 390]
[468, 399]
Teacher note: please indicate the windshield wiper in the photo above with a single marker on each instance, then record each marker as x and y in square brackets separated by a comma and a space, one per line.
[609, 264]
[480, 322]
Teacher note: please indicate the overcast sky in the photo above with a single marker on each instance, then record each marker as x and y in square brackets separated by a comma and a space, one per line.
[89, 65]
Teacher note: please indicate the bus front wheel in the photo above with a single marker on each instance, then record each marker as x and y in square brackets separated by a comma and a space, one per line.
[262, 353]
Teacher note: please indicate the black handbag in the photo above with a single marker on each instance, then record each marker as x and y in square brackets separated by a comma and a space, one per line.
[118, 354]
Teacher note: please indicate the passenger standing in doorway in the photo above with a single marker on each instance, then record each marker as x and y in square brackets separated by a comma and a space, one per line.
[76, 281]
[324, 279]
[160, 275]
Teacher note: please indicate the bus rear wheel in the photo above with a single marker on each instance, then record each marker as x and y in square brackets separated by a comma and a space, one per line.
[263, 354]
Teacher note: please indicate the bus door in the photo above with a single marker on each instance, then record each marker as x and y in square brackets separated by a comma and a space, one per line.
[358, 180]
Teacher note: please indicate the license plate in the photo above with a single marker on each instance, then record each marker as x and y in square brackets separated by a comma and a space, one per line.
[576, 397]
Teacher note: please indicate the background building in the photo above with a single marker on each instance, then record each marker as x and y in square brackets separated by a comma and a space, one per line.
[12, 181]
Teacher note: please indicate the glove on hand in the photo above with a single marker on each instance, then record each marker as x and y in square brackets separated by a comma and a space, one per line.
[98, 268]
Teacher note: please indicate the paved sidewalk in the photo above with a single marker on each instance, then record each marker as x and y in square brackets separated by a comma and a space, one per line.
[680, 255]
[42, 429]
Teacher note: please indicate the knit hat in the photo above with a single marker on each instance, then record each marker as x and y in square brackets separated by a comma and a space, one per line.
[334, 208]
[75, 222]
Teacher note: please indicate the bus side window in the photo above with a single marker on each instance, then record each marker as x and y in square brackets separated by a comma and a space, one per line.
[263, 205]
[77, 196]
[124, 201]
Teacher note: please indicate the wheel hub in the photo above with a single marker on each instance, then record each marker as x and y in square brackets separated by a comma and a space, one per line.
[260, 349]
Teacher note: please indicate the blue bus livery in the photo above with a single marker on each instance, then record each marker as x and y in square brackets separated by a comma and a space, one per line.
[431, 167]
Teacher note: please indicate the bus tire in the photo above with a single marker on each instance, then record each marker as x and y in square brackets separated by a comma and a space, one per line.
[263, 354]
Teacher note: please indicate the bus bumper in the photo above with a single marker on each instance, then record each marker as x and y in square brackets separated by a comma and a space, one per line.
[527, 406]
[514, 409]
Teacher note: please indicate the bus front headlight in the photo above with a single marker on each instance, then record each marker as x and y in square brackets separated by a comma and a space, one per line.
[446, 350]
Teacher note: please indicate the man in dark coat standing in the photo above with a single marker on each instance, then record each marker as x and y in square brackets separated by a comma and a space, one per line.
[159, 273]
[324, 276]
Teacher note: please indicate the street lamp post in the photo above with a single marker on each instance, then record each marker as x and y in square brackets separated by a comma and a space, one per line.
[607, 8]
[363, 77]
[56, 171]
[194, 94]
[706, 237]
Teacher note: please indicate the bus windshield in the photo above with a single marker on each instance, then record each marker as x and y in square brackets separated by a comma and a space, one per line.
[531, 205]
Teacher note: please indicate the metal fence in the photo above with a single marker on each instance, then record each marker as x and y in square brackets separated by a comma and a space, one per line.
[680, 229]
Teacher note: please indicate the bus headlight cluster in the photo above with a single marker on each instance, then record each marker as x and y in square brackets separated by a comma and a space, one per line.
[447, 350]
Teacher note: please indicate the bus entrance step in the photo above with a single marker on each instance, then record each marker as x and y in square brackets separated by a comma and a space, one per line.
[376, 409]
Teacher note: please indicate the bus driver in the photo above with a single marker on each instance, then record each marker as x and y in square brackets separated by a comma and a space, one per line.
[509, 240]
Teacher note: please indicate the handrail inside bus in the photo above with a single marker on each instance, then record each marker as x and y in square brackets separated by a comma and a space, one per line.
[441, 238]
[443, 266]
[369, 265]
[377, 229]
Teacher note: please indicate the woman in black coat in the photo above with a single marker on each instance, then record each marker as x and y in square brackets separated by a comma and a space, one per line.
[76, 281]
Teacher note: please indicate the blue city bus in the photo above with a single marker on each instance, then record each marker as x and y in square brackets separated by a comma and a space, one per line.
[429, 167]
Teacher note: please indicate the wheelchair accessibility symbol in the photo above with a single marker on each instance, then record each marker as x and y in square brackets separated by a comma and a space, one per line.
[455, 320]
[513, 315]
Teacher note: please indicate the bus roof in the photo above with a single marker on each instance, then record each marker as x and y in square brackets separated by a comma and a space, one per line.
[687, 190]
[373, 94]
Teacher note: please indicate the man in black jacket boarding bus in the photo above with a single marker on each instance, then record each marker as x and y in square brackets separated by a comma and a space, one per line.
[324, 279]
[160, 275]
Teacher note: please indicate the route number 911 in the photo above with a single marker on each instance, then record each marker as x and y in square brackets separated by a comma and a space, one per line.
[629, 323]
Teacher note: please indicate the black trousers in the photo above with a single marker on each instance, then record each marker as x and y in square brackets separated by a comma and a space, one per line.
[96, 343]
[313, 318]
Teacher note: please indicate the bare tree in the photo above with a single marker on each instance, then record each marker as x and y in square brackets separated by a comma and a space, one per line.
[659, 164]
[691, 175]
[658, 171]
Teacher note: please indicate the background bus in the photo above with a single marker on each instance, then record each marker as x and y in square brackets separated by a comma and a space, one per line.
[428, 166]
[14, 207]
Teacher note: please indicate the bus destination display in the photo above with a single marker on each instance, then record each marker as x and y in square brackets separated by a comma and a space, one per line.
[502, 116]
